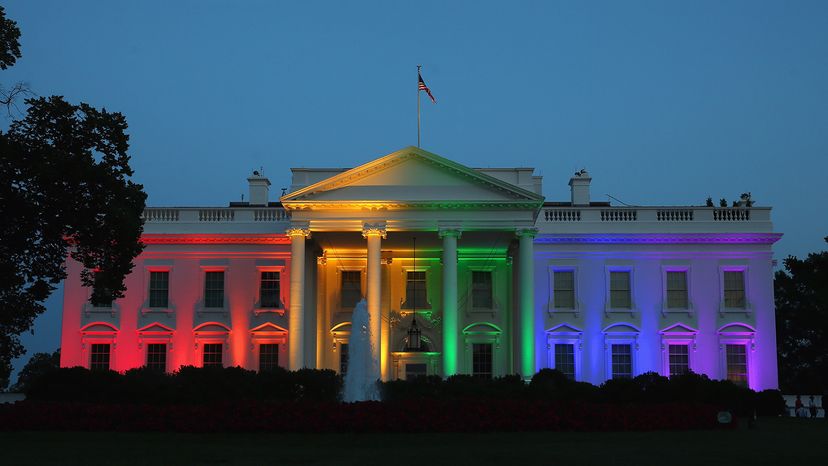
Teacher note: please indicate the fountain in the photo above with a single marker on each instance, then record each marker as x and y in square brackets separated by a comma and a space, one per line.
[363, 368]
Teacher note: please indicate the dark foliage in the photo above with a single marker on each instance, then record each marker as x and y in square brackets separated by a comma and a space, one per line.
[471, 415]
[9, 41]
[801, 294]
[38, 365]
[64, 191]
[189, 385]
[193, 385]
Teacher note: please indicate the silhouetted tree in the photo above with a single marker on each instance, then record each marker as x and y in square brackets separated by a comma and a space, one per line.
[39, 364]
[802, 323]
[65, 190]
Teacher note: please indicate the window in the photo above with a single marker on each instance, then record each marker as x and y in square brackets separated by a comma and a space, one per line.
[412, 371]
[737, 369]
[214, 289]
[564, 289]
[679, 359]
[565, 359]
[416, 295]
[620, 296]
[99, 357]
[159, 289]
[481, 289]
[482, 360]
[677, 290]
[734, 289]
[343, 358]
[157, 357]
[351, 288]
[621, 361]
[268, 357]
[212, 355]
[270, 290]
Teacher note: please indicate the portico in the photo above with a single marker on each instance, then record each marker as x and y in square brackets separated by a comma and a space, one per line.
[363, 222]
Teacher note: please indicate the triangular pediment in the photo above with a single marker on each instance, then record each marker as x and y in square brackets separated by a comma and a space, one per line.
[411, 177]
[269, 328]
[155, 327]
[678, 328]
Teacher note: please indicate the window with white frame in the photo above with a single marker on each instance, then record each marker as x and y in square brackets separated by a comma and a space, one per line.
[565, 359]
[270, 289]
[678, 358]
[676, 289]
[343, 358]
[268, 357]
[737, 363]
[622, 361]
[159, 288]
[621, 350]
[482, 291]
[157, 357]
[734, 289]
[563, 343]
[212, 355]
[214, 289]
[416, 290]
[482, 360]
[99, 356]
[620, 289]
[563, 289]
[350, 288]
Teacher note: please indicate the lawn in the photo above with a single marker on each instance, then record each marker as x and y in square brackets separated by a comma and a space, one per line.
[774, 441]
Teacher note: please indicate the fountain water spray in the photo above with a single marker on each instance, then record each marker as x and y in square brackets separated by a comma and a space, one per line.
[363, 367]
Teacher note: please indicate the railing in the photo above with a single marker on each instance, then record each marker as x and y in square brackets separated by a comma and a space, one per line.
[215, 215]
[619, 215]
[731, 215]
[160, 215]
[562, 215]
[675, 215]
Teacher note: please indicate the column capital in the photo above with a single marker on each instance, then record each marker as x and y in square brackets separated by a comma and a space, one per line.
[455, 232]
[530, 232]
[370, 229]
[294, 231]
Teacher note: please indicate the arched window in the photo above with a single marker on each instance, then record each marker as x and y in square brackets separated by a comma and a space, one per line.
[211, 344]
[482, 349]
[736, 346]
[98, 340]
[621, 350]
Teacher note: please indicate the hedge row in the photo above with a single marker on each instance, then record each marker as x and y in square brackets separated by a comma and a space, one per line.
[471, 415]
[191, 385]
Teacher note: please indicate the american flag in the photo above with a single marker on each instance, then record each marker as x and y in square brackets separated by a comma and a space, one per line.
[421, 86]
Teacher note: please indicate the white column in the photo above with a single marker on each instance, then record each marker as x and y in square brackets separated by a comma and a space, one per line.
[526, 281]
[450, 327]
[374, 233]
[296, 316]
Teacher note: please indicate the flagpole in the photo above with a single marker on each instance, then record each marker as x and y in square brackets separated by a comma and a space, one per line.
[418, 105]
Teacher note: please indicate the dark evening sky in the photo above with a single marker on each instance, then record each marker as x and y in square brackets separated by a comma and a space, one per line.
[663, 102]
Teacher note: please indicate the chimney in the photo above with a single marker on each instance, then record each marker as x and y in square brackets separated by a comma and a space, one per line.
[258, 189]
[579, 186]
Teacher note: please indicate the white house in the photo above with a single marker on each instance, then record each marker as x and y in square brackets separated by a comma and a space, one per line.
[500, 281]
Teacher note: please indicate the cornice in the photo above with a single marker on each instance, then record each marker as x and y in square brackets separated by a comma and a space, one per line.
[222, 238]
[403, 205]
[661, 238]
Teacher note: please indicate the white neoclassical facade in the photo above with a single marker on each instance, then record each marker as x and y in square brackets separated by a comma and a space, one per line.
[465, 271]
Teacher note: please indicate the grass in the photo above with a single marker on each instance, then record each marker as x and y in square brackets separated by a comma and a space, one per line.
[774, 441]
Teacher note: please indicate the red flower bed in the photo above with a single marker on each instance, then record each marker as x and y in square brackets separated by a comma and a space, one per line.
[408, 416]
